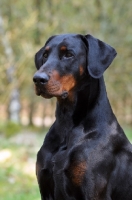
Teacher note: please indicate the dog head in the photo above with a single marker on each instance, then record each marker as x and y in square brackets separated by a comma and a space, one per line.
[66, 59]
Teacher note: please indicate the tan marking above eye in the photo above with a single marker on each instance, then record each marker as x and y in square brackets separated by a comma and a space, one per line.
[47, 48]
[63, 48]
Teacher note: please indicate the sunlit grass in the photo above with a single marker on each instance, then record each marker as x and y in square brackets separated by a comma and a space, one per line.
[17, 173]
[128, 132]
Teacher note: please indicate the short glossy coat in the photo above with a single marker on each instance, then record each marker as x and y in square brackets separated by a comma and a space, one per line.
[85, 154]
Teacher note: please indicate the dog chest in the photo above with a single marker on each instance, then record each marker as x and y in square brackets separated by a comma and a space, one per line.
[68, 168]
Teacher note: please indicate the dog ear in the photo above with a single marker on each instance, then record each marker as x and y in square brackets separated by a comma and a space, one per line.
[39, 58]
[100, 56]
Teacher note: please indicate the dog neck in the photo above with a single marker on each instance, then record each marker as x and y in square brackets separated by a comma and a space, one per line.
[90, 104]
[98, 106]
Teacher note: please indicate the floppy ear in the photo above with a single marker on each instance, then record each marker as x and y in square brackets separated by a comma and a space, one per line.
[39, 58]
[100, 56]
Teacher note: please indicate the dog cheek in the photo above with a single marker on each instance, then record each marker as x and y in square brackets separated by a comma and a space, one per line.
[68, 82]
[81, 70]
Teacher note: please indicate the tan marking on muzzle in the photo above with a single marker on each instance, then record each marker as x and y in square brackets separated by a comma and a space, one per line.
[67, 83]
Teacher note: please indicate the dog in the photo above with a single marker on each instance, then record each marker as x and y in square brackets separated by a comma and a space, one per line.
[85, 154]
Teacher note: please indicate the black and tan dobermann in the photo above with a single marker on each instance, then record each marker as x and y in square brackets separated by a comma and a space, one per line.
[85, 154]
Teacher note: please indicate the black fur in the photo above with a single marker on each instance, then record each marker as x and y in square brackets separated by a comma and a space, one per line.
[85, 154]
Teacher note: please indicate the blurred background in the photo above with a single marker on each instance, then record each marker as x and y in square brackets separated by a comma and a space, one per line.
[24, 117]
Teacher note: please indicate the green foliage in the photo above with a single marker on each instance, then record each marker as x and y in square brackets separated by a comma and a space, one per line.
[128, 132]
[28, 24]
[25, 189]
[10, 128]
[17, 174]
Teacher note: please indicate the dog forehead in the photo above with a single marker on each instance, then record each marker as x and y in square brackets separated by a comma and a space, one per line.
[71, 40]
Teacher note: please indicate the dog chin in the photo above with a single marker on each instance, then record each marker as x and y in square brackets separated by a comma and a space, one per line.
[37, 93]
[43, 94]
[46, 96]
[63, 95]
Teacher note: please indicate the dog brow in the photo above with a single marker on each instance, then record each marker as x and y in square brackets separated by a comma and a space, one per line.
[47, 48]
[63, 48]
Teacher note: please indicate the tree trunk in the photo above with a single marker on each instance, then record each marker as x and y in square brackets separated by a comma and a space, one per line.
[14, 102]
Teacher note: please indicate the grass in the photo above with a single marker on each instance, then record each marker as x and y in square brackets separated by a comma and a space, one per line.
[17, 161]
[128, 132]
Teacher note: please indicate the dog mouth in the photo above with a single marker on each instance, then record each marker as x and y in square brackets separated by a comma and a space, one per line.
[63, 95]
[49, 92]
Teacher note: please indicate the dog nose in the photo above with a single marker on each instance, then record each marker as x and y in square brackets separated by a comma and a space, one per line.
[40, 78]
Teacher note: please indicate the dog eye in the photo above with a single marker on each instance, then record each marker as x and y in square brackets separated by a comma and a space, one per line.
[45, 55]
[68, 54]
